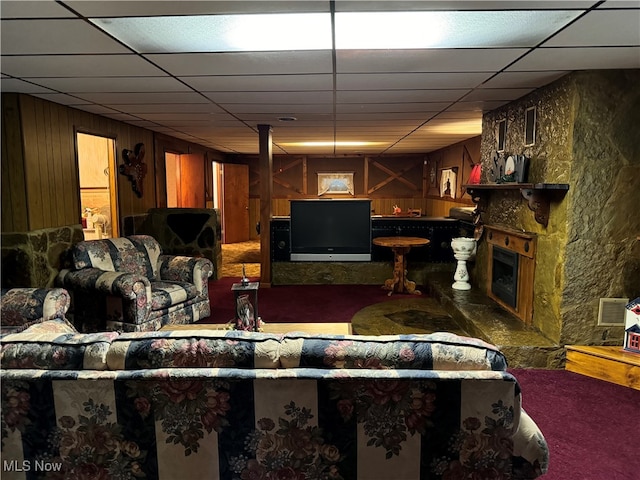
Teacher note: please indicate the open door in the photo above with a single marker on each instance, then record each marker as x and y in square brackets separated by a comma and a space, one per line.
[235, 203]
[185, 177]
[98, 190]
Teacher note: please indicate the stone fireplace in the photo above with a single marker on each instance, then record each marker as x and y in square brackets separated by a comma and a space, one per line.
[511, 262]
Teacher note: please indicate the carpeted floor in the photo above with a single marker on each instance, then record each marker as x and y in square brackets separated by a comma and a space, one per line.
[591, 426]
[234, 255]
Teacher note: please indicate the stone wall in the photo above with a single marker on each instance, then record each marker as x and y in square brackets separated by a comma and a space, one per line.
[33, 259]
[586, 136]
[182, 231]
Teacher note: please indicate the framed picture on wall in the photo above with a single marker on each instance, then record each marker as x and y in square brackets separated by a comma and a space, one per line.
[340, 183]
[501, 134]
[529, 126]
[433, 175]
[448, 182]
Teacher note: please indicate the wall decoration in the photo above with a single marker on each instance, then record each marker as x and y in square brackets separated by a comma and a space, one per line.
[433, 175]
[529, 126]
[448, 182]
[501, 135]
[134, 167]
[336, 183]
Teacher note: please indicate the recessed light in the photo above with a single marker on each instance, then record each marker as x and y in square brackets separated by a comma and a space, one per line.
[287, 119]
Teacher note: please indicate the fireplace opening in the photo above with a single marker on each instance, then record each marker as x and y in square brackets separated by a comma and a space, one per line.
[504, 281]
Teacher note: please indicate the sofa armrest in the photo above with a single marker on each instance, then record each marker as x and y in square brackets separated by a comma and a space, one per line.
[120, 284]
[180, 268]
[24, 305]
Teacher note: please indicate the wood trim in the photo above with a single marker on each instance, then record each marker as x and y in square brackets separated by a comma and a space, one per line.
[524, 244]
[607, 363]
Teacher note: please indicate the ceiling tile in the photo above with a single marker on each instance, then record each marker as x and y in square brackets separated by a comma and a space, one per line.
[186, 7]
[245, 63]
[495, 94]
[62, 99]
[271, 97]
[260, 83]
[411, 5]
[278, 110]
[79, 66]
[601, 28]
[523, 79]
[113, 84]
[415, 81]
[620, 4]
[168, 108]
[33, 9]
[432, 60]
[399, 96]
[20, 86]
[55, 36]
[97, 109]
[579, 58]
[141, 98]
[391, 107]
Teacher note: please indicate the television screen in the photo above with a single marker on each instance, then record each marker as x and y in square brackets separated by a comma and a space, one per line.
[331, 230]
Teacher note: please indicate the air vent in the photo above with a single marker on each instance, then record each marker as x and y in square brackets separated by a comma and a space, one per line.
[612, 311]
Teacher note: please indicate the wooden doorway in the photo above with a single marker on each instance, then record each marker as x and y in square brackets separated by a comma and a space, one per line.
[185, 175]
[235, 203]
[98, 190]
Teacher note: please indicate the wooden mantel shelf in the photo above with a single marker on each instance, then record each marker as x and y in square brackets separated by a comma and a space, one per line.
[538, 195]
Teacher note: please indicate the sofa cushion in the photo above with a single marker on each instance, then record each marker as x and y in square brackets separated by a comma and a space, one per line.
[436, 351]
[137, 254]
[194, 348]
[25, 305]
[54, 345]
[167, 294]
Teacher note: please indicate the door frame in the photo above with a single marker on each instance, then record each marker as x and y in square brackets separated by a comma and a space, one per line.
[114, 196]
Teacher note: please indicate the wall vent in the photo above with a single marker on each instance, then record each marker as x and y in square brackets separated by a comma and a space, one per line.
[612, 311]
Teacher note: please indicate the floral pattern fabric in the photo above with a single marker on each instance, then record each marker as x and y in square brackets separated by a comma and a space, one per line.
[440, 351]
[127, 284]
[24, 306]
[339, 426]
[217, 404]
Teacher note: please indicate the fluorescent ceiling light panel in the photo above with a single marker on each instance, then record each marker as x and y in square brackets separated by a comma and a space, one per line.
[221, 33]
[434, 29]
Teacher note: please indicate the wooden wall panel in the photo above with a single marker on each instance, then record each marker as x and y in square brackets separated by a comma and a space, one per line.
[50, 164]
[14, 196]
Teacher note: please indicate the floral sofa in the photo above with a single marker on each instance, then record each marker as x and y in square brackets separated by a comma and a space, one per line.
[127, 284]
[210, 404]
[22, 307]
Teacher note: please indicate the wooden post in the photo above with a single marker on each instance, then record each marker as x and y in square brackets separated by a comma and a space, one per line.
[266, 189]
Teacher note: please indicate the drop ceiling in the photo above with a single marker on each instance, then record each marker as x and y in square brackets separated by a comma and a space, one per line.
[347, 81]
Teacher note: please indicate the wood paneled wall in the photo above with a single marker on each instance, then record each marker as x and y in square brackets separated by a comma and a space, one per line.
[40, 184]
[40, 180]
[401, 180]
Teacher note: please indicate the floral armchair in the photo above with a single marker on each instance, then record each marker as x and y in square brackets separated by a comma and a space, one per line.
[127, 284]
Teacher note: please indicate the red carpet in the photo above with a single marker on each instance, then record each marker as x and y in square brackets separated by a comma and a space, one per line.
[592, 426]
[297, 303]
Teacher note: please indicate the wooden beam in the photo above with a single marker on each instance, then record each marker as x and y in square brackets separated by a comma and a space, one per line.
[266, 193]
[394, 176]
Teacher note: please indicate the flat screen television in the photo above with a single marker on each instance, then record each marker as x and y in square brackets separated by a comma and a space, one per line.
[330, 230]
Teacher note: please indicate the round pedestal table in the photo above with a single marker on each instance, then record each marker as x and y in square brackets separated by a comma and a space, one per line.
[400, 246]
